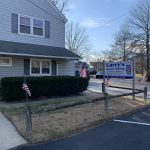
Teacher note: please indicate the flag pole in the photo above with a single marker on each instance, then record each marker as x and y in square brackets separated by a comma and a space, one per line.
[27, 98]
[28, 112]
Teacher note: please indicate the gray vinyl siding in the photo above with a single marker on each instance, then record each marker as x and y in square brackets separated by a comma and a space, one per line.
[47, 29]
[17, 68]
[66, 68]
[24, 7]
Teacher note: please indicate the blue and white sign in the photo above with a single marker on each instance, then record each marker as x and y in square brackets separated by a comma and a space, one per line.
[123, 69]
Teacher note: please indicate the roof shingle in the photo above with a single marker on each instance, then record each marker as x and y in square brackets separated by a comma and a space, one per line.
[24, 49]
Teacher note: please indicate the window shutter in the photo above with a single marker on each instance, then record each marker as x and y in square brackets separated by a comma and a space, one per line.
[47, 29]
[54, 68]
[14, 21]
[26, 67]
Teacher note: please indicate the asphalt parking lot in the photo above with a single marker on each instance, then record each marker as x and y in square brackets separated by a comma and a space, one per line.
[130, 132]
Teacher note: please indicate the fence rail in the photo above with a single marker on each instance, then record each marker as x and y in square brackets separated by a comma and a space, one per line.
[137, 91]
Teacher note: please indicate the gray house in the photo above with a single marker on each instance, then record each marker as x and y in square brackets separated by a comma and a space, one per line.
[32, 40]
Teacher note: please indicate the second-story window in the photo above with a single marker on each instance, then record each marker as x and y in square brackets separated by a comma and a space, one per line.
[32, 26]
[25, 25]
[38, 27]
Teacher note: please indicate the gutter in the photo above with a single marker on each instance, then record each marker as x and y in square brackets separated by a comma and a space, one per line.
[42, 56]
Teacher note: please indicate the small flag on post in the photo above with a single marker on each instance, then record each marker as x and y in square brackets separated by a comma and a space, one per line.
[108, 81]
[26, 88]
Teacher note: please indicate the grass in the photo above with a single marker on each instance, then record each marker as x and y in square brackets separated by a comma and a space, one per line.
[66, 122]
[44, 104]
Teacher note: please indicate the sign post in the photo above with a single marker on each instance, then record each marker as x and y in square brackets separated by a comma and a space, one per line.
[133, 79]
[105, 92]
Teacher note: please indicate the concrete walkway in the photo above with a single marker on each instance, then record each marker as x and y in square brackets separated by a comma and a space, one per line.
[9, 137]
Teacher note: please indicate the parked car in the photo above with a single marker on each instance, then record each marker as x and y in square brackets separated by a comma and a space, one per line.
[99, 74]
[93, 72]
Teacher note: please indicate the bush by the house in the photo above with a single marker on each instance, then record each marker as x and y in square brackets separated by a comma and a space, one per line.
[42, 87]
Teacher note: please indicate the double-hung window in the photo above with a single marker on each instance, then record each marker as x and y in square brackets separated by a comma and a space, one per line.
[31, 26]
[38, 27]
[35, 67]
[40, 67]
[45, 67]
[25, 25]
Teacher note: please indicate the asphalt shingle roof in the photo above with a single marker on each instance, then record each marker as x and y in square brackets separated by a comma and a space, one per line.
[24, 49]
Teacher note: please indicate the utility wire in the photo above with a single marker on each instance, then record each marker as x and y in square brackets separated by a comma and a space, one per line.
[115, 19]
[44, 10]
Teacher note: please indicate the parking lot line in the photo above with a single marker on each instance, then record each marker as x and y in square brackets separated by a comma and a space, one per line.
[132, 122]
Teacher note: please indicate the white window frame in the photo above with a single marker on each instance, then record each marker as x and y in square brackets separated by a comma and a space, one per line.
[40, 74]
[10, 61]
[43, 21]
[19, 16]
[31, 26]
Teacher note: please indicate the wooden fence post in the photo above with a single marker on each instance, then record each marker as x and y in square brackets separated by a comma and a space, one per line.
[145, 94]
[28, 114]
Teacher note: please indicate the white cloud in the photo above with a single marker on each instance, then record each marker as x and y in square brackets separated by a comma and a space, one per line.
[93, 23]
[72, 6]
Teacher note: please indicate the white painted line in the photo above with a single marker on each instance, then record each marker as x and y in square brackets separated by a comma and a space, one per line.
[132, 122]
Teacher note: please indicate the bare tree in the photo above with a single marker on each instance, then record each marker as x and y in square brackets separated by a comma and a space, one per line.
[140, 18]
[123, 43]
[60, 4]
[77, 40]
[111, 55]
[96, 56]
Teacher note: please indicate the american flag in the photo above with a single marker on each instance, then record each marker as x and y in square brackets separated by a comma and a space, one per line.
[83, 73]
[26, 88]
[108, 81]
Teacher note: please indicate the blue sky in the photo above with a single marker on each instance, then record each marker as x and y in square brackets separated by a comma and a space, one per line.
[94, 16]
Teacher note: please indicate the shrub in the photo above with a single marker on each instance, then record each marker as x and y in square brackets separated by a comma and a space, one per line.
[42, 87]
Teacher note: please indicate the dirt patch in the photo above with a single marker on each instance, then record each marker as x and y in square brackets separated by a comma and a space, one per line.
[62, 123]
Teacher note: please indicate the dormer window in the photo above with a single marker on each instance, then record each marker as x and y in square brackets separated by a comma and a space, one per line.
[25, 25]
[38, 27]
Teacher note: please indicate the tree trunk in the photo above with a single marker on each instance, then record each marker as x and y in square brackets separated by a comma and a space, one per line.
[147, 49]
[124, 51]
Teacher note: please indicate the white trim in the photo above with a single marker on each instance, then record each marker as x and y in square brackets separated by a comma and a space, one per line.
[43, 56]
[40, 74]
[132, 122]
[20, 15]
[10, 61]
[31, 26]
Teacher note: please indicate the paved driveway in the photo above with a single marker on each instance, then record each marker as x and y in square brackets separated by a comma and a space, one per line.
[131, 132]
[95, 85]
